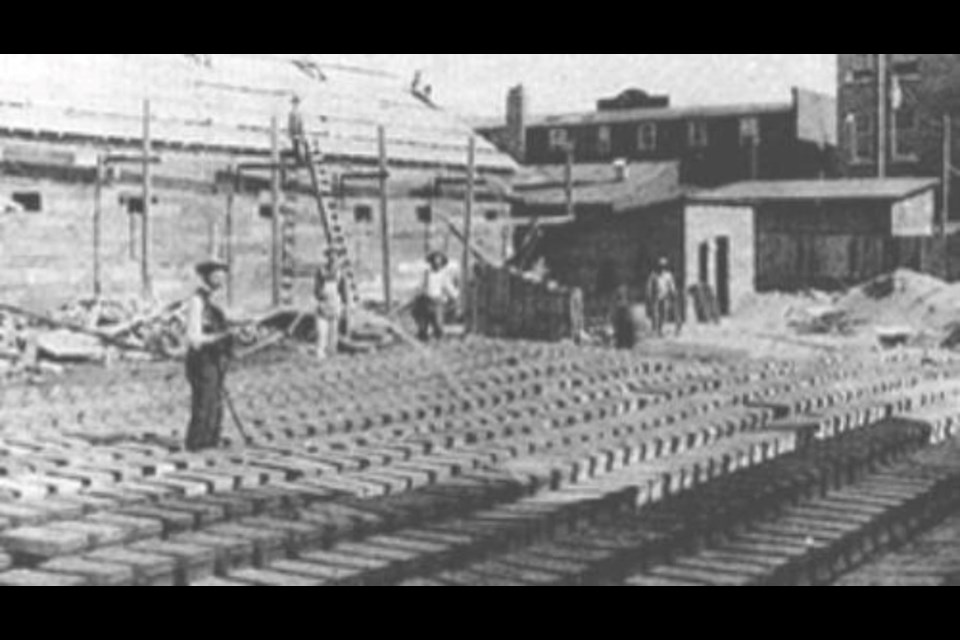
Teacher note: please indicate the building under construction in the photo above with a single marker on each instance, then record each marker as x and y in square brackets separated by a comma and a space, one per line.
[206, 116]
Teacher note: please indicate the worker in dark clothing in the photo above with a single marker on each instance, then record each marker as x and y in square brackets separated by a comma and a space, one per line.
[210, 348]
[297, 130]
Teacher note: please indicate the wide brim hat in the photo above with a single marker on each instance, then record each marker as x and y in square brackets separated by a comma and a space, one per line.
[208, 267]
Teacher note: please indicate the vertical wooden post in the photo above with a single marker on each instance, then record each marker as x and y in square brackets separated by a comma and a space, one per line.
[147, 202]
[883, 115]
[228, 232]
[947, 172]
[568, 182]
[466, 273]
[98, 228]
[385, 230]
[275, 222]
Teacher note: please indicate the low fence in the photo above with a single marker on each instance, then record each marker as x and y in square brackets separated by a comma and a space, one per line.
[505, 303]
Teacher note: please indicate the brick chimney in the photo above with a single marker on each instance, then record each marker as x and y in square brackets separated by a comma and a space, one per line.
[516, 138]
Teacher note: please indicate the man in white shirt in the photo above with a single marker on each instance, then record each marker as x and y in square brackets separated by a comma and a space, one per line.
[437, 291]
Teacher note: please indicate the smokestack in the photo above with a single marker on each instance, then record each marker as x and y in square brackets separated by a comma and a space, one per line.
[517, 123]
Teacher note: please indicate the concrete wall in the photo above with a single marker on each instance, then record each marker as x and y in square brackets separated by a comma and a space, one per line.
[706, 224]
[916, 216]
[46, 257]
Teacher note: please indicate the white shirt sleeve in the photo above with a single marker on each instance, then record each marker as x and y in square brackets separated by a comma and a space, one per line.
[195, 322]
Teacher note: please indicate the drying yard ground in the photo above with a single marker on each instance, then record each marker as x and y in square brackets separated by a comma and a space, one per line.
[519, 464]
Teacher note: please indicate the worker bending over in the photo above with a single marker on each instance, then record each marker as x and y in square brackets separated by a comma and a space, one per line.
[437, 292]
[210, 347]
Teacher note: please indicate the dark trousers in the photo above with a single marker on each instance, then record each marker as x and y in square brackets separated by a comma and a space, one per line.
[662, 312]
[428, 314]
[206, 376]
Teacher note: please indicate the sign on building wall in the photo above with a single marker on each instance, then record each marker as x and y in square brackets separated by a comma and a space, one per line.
[915, 216]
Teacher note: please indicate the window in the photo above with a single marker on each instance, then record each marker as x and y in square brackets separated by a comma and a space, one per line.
[698, 135]
[491, 215]
[862, 67]
[363, 214]
[905, 65]
[749, 131]
[425, 214]
[861, 137]
[604, 141]
[559, 139]
[647, 137]
[905, 134]
[30, 201]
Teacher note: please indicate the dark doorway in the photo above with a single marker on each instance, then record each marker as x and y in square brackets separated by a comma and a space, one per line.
[723, 275]
[704, 263]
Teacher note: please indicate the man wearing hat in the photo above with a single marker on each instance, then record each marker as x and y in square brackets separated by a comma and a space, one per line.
[209, 348]
[662, 297]
[437, 291]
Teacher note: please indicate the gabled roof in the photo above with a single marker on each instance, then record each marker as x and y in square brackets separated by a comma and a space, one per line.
[646, 185]
[228, 104]
[890, 189]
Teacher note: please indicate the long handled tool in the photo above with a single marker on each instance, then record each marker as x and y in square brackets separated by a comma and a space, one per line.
[238, 423]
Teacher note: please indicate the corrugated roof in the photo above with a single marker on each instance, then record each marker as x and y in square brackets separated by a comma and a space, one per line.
[788, 191]
[229, 104]
[647, 184]
[671, 113]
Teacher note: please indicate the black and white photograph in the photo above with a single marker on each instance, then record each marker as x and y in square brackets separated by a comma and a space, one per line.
[479, 320]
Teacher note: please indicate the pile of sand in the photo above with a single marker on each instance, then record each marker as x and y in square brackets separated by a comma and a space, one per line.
[902, 302]
[905, 299]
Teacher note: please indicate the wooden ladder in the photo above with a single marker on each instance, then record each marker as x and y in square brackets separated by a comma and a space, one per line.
[330, 214]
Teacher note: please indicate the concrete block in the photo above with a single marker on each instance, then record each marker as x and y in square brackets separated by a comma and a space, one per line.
[97, 574]
[39, 543]
[194, 562]
[24, 578]
[149, 570]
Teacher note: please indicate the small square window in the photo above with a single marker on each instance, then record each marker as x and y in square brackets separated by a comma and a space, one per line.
[31, 201]
[698, 135]
[491, 215]
[363, 214]
[425, 214]
[647, 137]
[749, 131]
[604, 141]
[559, 139]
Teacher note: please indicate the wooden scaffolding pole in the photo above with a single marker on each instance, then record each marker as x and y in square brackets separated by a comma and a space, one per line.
[385, 226]
[98, 228]
[147, 202]
[233, 184]
[466, 276]
[275, 230]
[947, 173]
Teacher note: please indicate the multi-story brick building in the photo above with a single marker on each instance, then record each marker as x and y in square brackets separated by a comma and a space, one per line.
[892, 112]
[713, 144]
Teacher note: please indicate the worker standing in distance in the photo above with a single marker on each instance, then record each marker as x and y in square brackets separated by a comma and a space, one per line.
[297, 130]
[662, 298]
[437, 292]
[330, 309]
[209, 350]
